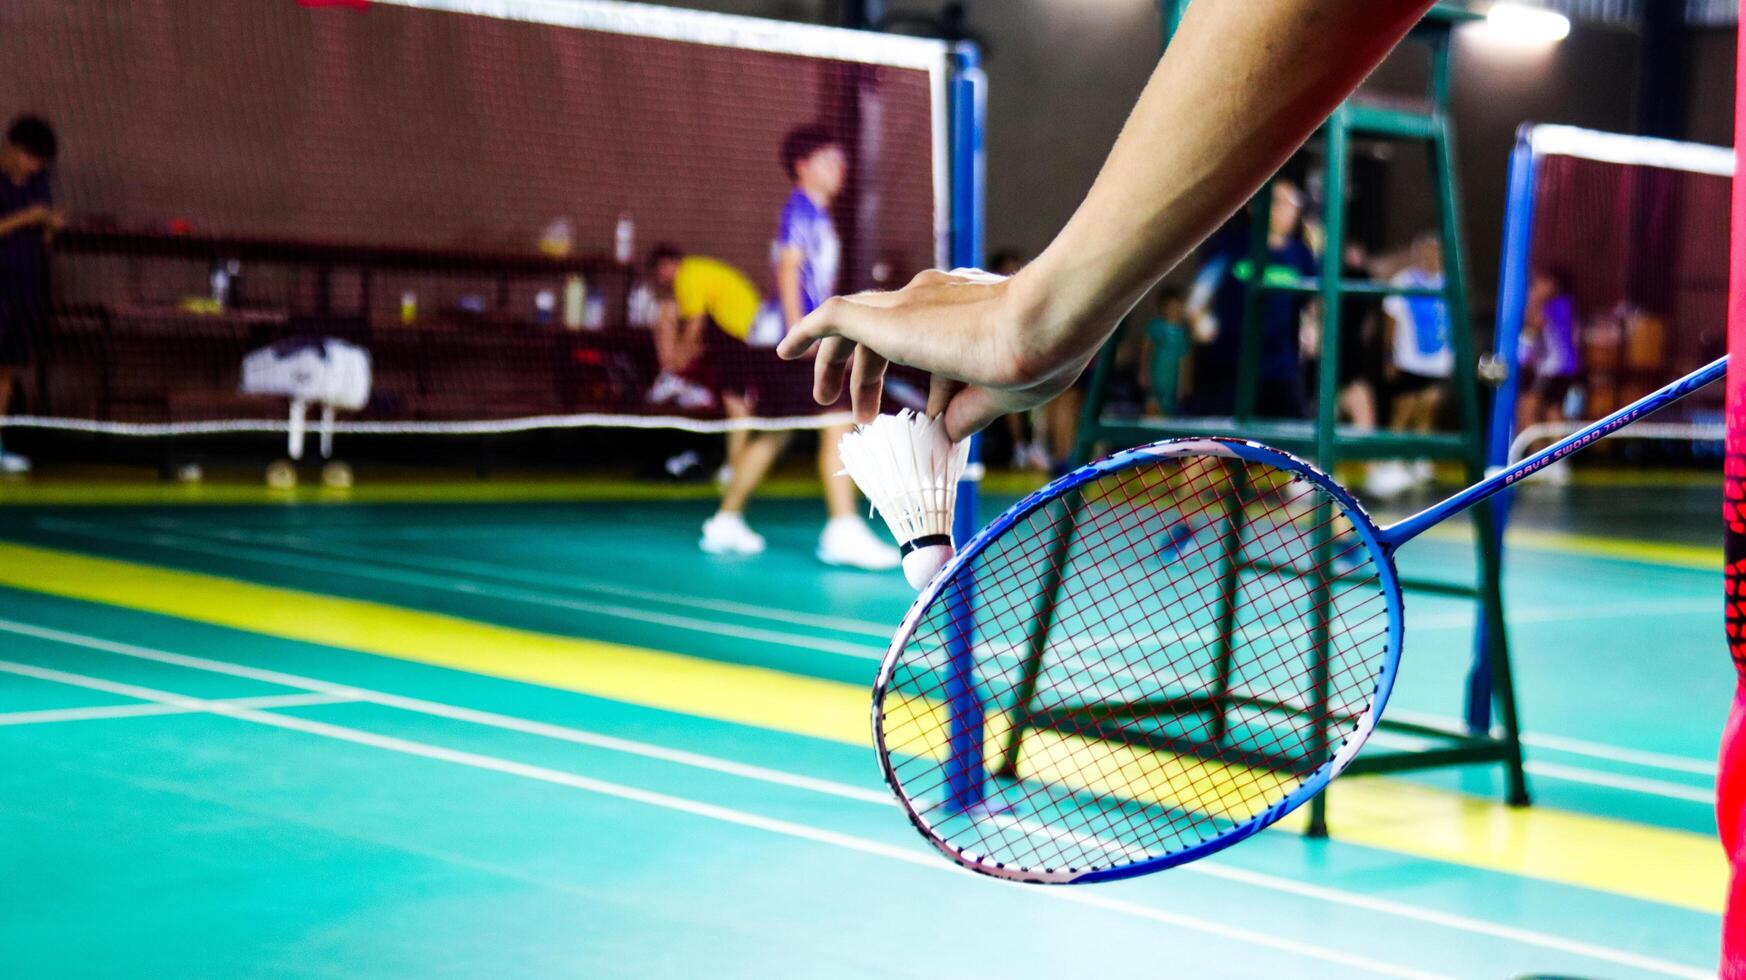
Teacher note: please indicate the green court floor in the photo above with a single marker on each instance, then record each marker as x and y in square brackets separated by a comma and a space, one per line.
[545, 736]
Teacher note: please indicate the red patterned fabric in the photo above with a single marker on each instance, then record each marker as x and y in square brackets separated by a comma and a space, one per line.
[1731, 784]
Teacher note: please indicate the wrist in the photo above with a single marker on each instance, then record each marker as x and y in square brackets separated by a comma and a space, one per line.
[1061, 317]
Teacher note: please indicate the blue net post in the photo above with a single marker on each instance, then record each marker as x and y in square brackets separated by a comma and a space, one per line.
[968, 108]
[1512, 306]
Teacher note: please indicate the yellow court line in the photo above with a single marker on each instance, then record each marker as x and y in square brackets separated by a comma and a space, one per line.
[1651, 863]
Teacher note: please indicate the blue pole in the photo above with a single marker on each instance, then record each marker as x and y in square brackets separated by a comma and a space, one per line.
[968, 111]
[1512, 306]
[968, 108]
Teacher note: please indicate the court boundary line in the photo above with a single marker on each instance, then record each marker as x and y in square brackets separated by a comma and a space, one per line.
[714, 811]
[263, 702]
[356, 694]
[1681, 792]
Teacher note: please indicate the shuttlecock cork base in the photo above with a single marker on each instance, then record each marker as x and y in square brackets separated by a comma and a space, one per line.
[909, 469]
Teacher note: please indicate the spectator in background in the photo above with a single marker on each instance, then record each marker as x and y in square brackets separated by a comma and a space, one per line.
[1418, 328]
[1216, 308]
[28, 221]
[807, 254]
[1360, 343]
[1164, 353]
[1549, 354]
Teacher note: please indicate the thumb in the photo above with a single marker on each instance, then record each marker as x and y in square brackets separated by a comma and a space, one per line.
[970, 411]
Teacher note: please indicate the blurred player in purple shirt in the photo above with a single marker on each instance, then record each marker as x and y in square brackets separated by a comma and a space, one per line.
[807, 255]
[1549, 354]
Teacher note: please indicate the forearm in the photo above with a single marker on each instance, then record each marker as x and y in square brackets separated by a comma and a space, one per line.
[691, 341]
[10, 223]
[1240, 89]
[665, 335]
[788, 288]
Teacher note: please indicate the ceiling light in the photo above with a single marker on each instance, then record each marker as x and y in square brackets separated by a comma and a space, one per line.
[1523, 24]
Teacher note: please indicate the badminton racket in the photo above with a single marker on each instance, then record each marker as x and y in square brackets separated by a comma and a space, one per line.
[1155, 656]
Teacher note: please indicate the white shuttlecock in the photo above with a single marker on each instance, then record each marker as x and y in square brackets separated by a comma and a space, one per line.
[909, 468]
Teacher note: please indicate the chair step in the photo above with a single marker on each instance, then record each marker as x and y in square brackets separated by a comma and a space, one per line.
[1377, 120]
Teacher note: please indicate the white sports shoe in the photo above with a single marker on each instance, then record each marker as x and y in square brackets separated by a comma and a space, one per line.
[848, 541]
[1387, 478]
[13, 463]
[692, 395]
[728, 534]
[666, 388]
[1424, 472]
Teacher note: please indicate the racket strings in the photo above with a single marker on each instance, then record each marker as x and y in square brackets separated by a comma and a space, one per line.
[1209, 782]
[1125, 530]
[1180, 687]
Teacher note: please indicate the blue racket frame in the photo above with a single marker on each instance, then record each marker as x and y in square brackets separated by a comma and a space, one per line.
[966, 711]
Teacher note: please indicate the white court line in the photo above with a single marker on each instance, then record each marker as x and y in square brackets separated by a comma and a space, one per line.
[1653, 760]
[488, 719]
[522, 576]
[1577, 746]
[263, 702]
[721, 813]
[1564, 614]
[1705, 796]
[1633, 784]
[284, 559]
[565, 733]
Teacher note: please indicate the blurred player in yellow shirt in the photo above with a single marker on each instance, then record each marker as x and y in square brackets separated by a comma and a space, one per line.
[738, 360]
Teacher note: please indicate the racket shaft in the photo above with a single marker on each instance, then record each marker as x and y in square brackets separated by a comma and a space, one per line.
[1397, 534]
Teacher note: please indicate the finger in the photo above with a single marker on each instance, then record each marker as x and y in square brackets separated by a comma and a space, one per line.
[829, 368]
[972, 410]
[866, 384]
[867, 318]
[940, 392]
[803, 335]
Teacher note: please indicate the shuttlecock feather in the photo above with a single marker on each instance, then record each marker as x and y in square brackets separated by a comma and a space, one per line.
[909, 469]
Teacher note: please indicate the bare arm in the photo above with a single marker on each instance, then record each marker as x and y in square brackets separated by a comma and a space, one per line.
[691, 341]
[788, 285]
[1241, 88]
[665, 333]
[25, 217]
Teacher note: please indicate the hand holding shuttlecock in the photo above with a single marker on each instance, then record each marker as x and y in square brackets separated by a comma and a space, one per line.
[909, 469]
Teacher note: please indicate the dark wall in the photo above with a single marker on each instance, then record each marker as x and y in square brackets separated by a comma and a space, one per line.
[1589, 79]
[415, 127]
[1062, 77]
[1709, 87]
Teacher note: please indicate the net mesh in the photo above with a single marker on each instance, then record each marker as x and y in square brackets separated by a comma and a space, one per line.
[1137, 667]
[1629, 276]
[470, 199]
